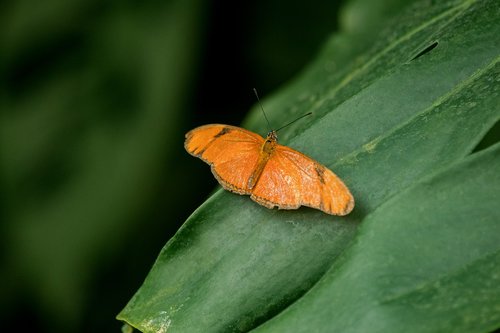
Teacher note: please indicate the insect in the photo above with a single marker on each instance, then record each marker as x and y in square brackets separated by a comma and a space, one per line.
[273, 175]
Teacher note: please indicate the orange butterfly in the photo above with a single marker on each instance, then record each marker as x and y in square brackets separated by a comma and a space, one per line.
[272, 174]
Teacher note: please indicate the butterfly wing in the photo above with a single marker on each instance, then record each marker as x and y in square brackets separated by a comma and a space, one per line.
[232, 153]
[290, 180]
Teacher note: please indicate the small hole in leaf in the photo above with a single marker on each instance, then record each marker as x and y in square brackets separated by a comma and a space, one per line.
[426, 50]
[489, 139]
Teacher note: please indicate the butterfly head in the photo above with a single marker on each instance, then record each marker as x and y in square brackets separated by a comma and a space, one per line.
[272, 136]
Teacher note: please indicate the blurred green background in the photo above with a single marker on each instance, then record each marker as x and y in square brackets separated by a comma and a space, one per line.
[95, 99]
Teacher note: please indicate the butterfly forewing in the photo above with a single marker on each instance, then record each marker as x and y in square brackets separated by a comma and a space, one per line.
[231, 151]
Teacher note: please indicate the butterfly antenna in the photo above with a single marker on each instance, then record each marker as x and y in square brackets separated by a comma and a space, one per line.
[305, 115]
[262, 108]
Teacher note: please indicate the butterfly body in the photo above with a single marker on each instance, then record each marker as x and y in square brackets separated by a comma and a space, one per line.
[272, 174]
[266, 153]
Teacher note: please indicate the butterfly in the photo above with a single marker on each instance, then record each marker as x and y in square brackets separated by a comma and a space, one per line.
[273, 175]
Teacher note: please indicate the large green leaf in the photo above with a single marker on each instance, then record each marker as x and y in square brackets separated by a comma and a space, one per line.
[427, 267]
[415, 103]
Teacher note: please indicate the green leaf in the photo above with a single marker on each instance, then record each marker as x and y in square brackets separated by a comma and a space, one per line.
[383, 120]
[427, 267]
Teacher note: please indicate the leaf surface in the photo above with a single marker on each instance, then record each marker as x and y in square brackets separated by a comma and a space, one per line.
[427, 267]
